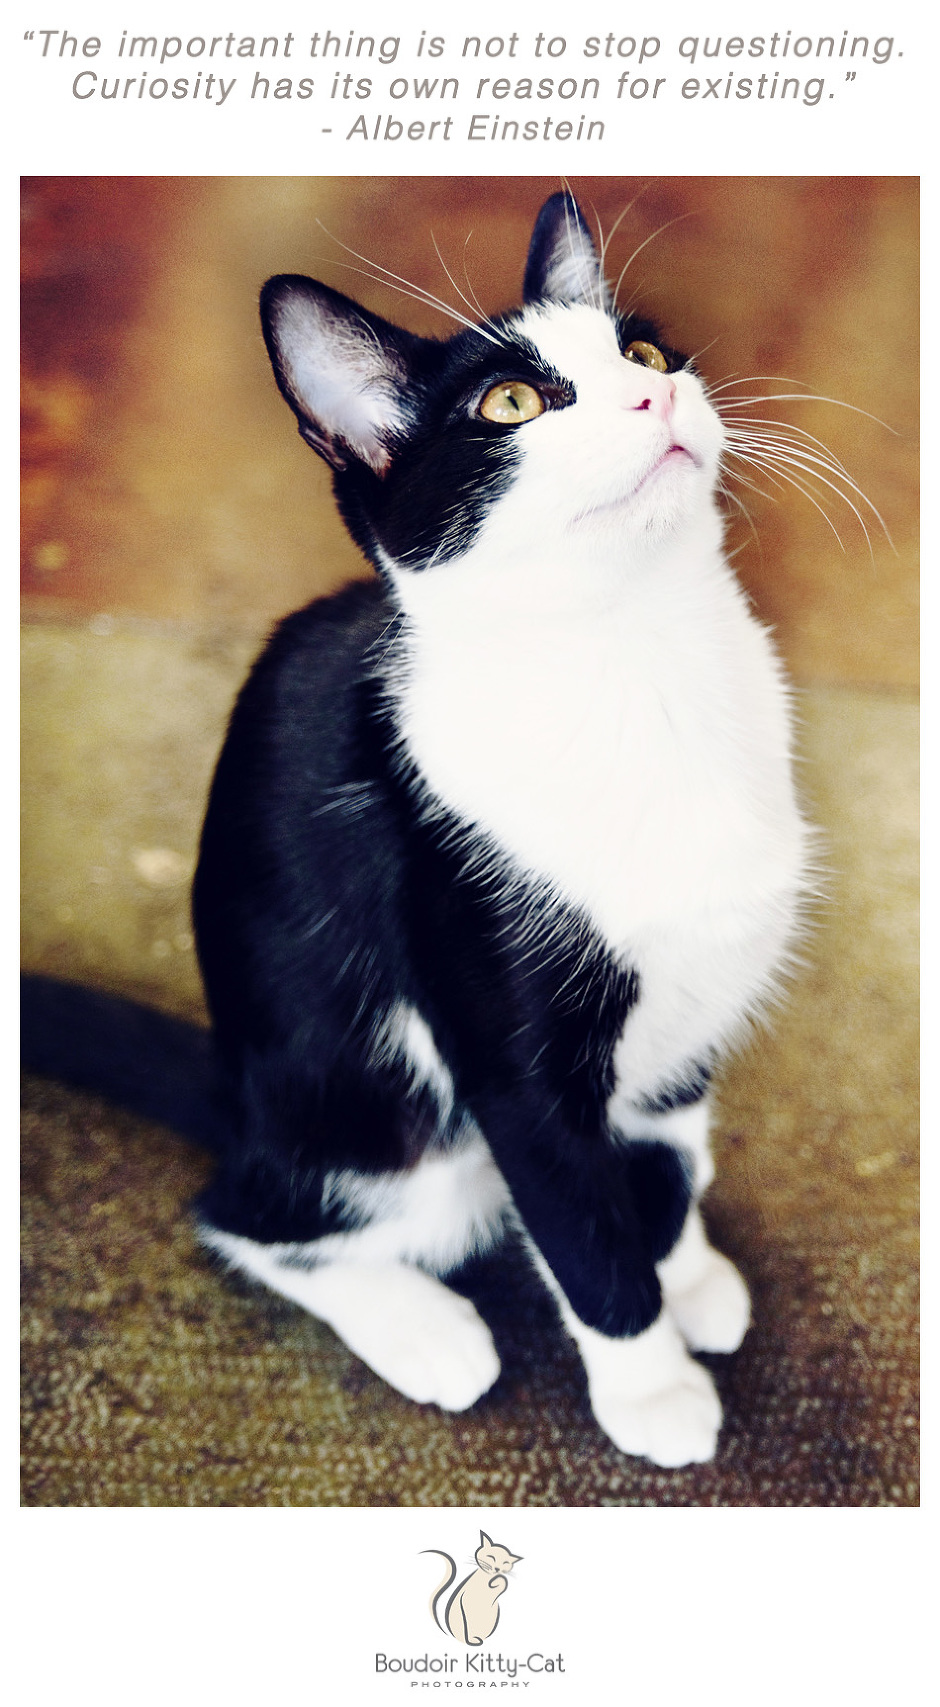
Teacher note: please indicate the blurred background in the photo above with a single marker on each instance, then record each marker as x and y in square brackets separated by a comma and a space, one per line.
[171, 514]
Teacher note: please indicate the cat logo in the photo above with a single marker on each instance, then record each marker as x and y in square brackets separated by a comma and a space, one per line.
[471, 1610]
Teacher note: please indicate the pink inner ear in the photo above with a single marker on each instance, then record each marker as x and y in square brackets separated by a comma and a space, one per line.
[344, 388]
[340, 377]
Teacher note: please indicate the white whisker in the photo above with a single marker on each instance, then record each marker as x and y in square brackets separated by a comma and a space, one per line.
[735, 498]
[803, 397]
[693, 359]
[641, 246]
[789, 450]
[606, 241]
[802, 486]
[476, 303]
[784, 431]
[767, 458]
[782, 449]
[416, 293]
[375, 270]
[472, 305]
[753, 379]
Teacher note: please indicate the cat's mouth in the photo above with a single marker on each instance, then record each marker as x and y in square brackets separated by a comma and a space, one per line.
[674, 456]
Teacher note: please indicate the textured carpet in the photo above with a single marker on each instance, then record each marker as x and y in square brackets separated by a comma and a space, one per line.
[152, 1378]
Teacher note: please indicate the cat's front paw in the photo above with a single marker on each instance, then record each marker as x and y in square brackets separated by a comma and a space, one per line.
[676, 1426]
[713, 1314]
[415, 1333]
[446, 1358]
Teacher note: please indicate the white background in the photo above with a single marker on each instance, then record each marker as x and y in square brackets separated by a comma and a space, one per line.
[646, 1606]
[873, 126]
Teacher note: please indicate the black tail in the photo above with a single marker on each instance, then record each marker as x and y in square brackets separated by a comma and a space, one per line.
[145, 1061]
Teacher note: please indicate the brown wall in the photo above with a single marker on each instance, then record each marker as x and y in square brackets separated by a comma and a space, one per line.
[164, 477]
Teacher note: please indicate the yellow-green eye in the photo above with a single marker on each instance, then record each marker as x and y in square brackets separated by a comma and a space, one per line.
[511, 402]
[646, 354]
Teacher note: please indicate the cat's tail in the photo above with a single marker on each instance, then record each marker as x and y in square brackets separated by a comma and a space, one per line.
[445, 1585]
[156, 1066]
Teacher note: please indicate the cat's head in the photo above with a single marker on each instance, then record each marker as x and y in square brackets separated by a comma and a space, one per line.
[493, 1558]
[563, 421]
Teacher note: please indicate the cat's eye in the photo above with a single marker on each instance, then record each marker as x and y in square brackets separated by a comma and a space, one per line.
[512, 402]
[646, 354]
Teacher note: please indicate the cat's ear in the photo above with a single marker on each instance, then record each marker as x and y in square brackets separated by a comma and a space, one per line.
[485, 1540]
[563, 264]
[343, 371]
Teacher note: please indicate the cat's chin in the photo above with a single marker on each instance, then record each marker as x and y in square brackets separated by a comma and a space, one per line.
[671, 490]
[676, 457]
[675, 478]
[668, 498]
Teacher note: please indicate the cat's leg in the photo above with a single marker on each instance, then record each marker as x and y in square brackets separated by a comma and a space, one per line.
[411, 1330]
[371, 1284]
[705, 1294]
[648, 1395]
[598, 1216]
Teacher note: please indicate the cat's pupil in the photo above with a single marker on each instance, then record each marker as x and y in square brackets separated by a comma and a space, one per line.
[512, 402]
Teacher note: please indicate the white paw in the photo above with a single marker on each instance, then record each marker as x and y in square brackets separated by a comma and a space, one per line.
[715, 1312]
[678, 1425]
[415, 1333]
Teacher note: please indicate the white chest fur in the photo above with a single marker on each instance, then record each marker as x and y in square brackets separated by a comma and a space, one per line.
[634, 751]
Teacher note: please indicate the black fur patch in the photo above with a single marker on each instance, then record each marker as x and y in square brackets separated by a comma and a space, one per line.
[446, 474]
[326, 895]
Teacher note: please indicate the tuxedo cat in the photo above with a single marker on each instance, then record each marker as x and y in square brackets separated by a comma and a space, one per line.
[502, 853]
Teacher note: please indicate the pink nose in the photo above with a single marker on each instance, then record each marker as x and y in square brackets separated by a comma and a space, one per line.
[658, 395]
